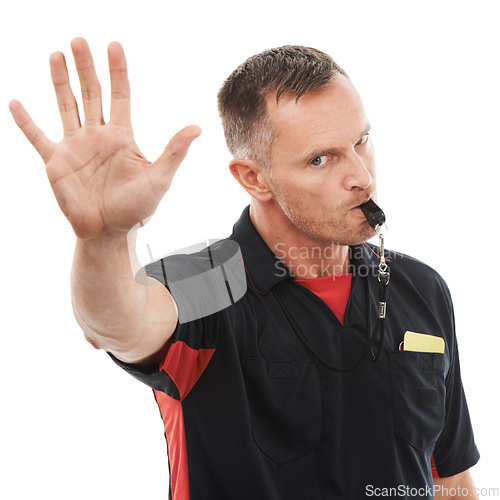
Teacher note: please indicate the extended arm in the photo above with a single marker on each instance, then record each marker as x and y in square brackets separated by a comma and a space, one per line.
[106, 189]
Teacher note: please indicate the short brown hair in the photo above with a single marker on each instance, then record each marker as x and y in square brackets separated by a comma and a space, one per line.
[289, 69]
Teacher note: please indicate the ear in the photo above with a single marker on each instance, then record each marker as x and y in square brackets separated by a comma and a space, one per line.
[253, 178]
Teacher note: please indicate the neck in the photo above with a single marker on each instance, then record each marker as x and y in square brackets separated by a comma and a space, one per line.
[304, 257]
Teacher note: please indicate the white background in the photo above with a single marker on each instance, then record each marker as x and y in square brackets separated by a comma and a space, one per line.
[73, 425]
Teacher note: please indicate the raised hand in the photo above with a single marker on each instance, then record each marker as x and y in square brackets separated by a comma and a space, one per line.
[101, 180]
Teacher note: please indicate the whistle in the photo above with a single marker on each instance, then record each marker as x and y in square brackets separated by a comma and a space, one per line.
[373, 213]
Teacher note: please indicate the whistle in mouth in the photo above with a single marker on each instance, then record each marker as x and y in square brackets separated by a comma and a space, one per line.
[373, 213]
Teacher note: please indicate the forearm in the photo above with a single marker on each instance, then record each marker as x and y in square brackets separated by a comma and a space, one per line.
[455, 487]
[115, 312]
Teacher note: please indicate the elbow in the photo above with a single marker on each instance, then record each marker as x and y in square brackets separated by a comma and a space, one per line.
[89, 336]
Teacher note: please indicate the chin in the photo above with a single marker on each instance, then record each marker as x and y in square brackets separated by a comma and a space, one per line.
[347, 237]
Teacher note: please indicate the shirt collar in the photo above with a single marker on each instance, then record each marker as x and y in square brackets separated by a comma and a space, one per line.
[264, 269]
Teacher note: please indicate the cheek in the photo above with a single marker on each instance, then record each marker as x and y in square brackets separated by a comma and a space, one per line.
[313, 191]
[311, 194]
[295, 187]
[327, 191]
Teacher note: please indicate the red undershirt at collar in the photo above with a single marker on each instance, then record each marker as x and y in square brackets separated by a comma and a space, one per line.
[334, 290]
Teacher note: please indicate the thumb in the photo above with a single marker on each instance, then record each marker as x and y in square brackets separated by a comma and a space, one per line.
[168, 162]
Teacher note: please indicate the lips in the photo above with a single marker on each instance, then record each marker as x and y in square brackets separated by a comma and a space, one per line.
[359, 206]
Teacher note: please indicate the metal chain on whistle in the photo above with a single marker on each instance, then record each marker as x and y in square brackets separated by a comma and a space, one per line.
[384, 275]
[376, 219]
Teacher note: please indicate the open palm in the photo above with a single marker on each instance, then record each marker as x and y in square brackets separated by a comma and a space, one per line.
[101, 180]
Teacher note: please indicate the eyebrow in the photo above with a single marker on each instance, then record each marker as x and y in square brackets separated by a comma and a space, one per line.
[322, 151]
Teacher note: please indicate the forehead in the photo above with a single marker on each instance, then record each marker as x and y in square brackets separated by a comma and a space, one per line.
[333, 116]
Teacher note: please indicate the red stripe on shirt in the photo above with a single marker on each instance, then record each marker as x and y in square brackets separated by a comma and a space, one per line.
[185, 365]
[173, 421]
[435, 474]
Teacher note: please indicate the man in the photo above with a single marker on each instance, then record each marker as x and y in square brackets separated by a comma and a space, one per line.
[279, 395]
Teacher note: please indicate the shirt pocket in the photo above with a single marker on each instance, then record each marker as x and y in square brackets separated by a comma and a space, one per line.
[418, 384]
[285, 407]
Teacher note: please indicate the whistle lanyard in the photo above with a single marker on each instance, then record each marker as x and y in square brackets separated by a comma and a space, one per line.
[383, 280]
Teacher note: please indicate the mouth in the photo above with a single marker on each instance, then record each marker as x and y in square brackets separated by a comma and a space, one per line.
[358, 207]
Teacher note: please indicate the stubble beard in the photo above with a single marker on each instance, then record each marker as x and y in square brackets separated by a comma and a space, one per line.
[326, 231]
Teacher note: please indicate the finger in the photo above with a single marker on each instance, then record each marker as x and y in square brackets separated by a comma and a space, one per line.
[166, 165]
[38, 139]
[66, 101]
[91, 89]
[120, 86]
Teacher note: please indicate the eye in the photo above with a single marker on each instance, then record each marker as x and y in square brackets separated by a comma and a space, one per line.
[363, 140]
[319, 161]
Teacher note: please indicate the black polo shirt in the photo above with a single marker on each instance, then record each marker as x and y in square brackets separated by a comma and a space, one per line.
[250, 413]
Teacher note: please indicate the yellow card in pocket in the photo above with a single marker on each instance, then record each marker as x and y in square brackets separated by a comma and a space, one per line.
[421, 342]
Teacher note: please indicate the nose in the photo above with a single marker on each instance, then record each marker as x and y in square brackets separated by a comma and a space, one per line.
[357, 174]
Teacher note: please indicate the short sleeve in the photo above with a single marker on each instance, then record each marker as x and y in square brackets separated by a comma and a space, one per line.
[204, 285]
[188, 353]
[455, 450]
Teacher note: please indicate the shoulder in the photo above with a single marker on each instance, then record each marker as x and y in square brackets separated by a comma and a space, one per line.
[202, 279]
[409, 266]
[409, 272]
